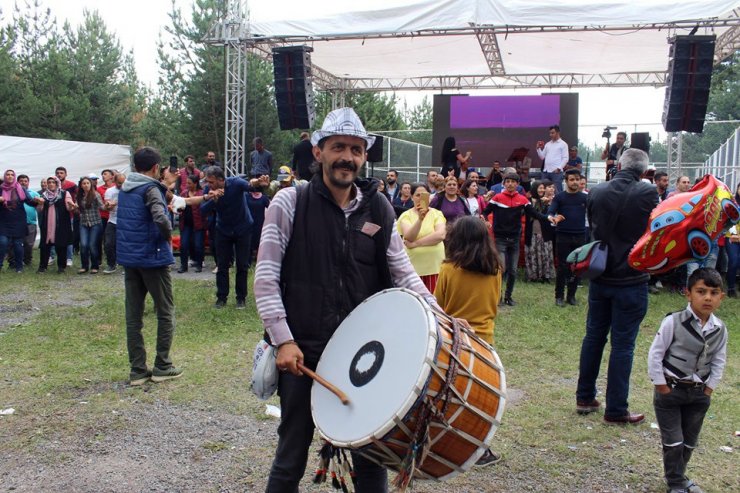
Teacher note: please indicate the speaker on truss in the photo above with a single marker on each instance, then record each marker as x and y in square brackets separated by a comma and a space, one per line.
[375, 153]
[294, 87]
[640, 140]
[687, 85]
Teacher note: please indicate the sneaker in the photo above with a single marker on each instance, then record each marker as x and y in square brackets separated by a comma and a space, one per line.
[109, 270]
[138, 379]
[69, 262]
[571, 301]
[182, 269]
[488, 458]
[191, 263]
[559, 302]
[241, 304]
[510, 302]
[198, 269]
[220, 304]
[215, 270]
[51, 261]
[41, 270]
[168, 374]
[693, 487]
[60, 270]
[587, 407]
[653, 289]
[677, 490]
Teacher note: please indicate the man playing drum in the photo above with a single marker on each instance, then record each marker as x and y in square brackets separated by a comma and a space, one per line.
[325, 248]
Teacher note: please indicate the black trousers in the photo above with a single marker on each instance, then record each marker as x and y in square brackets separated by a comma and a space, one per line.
[565, 244]
[46, 251]
[228, 247]
[295, 434]
[680, 416]
[109, 240]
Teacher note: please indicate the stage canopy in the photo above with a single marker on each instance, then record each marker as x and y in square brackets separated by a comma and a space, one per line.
[504, 44]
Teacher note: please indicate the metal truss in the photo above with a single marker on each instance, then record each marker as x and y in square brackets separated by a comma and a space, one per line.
[728, 42]
[673, 165]
[231, 33]
[491, 51]
[508, 81]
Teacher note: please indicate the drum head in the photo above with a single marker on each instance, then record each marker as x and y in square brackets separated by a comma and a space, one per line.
[380, 357]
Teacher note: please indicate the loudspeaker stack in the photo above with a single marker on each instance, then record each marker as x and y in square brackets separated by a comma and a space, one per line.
[294, 87]
[688, 83]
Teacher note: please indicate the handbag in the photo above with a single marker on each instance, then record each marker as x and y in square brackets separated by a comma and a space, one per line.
[589, 260]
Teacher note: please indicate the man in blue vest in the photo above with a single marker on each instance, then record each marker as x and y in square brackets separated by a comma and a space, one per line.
[143, 248]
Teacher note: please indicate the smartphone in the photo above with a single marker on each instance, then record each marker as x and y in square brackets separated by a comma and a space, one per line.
[173, 164]
[424, 199]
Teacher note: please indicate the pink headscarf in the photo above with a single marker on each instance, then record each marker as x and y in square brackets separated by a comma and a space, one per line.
[9, 188]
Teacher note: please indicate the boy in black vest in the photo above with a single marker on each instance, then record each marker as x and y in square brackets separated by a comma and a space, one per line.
[685, 363]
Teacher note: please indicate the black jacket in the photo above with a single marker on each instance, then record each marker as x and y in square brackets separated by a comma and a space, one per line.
[332, 264]
[303, 159]
[637, 200]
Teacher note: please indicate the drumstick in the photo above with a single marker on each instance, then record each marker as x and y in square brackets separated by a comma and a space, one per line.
[321, 380]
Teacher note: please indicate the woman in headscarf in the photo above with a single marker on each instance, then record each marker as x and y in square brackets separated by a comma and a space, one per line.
[56, 228]
[13, 218]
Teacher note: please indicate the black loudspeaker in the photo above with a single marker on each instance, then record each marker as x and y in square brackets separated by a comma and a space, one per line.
[640, 140]
[688, 82]
[375, 153]
[294, 87]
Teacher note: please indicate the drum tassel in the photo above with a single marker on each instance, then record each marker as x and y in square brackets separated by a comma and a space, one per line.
[324, 458]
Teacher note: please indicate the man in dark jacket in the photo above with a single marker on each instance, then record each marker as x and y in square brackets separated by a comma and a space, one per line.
[618, 212]
[325, 248]
[143, 233]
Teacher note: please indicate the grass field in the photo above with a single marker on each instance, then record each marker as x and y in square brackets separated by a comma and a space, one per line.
[63, 344]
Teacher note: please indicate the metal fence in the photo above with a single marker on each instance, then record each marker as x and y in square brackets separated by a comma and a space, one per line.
[725, 162]
[410, 159]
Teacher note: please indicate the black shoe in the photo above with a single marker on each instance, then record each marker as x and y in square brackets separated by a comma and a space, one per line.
[488, 458]
[198, 268]
[509, 302]
[40, 271]
[182, 269]
[60, 270]
[571, 300]
[559, 302]
[241, 304]
[220, 304]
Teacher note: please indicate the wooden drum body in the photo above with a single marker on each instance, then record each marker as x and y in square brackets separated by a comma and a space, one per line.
[426, 394]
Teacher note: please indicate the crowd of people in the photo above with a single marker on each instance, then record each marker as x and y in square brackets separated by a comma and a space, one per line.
[455, 240]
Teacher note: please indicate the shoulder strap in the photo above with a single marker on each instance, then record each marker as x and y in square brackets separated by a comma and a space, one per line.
[613, 219]
[382, 240]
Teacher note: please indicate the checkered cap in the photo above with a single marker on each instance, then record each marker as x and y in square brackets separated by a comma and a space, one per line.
[342, 121]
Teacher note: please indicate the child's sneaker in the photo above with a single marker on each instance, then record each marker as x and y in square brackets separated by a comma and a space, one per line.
[168, 374]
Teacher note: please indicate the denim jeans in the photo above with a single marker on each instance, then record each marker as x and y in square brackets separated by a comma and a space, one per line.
[196, 253]
[733, 258]
[508, 248]
[226, 247]
[90, 237]
[710, 262]
[555, 178]
[295, 435]
[619, 310]
[16, 243]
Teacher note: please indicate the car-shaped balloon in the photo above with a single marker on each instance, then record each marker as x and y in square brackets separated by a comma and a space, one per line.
[683, 227]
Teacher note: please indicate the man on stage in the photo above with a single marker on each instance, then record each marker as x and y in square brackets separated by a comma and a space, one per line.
[554, 157]
[326, 247]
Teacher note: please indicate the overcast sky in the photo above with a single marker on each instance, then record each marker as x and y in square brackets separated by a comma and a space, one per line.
[137, 23]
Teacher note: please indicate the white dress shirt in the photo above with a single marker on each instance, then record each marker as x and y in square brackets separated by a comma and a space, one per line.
[554, 155]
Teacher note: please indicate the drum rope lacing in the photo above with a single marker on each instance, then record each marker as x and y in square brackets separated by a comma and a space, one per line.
[419, 446]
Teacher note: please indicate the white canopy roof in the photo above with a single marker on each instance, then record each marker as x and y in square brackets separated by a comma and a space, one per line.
[438, 44]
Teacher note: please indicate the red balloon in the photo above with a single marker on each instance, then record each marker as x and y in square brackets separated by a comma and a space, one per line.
[683, 227]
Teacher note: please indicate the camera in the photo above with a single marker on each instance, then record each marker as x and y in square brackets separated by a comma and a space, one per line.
[607, 134]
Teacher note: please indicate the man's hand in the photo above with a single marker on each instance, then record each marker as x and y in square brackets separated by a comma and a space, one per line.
[708, 390]
[663, 389]
[264, 180]
[288, 355]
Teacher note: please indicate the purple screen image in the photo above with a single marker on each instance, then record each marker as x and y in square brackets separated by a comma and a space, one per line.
[504, 111]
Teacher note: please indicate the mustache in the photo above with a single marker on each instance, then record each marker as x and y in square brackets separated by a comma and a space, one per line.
[348, 165]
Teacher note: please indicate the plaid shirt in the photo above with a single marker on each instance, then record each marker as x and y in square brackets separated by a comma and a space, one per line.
[90, 216]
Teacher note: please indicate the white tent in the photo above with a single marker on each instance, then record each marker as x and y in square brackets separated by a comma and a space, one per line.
[38, 158]
[439, 44]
